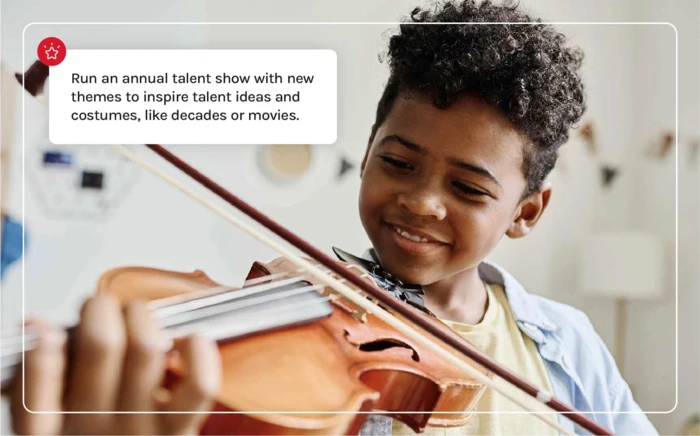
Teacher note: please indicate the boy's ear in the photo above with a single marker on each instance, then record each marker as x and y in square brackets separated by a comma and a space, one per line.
[529, 212]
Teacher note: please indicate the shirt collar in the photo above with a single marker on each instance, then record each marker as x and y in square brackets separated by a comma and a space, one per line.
[523, 305]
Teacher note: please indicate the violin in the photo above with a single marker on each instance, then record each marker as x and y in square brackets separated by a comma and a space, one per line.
[321, 347]
[286, 347]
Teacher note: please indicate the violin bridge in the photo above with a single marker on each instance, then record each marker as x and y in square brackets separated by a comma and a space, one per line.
[357, 312]
[353, 309]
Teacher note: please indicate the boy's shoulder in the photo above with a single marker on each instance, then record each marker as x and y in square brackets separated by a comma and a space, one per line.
[563, 316]
[587, 373]
[533, 309]
[564, 334]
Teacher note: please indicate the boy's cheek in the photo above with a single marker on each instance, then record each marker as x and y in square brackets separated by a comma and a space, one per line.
[366, 209]
[372, 190]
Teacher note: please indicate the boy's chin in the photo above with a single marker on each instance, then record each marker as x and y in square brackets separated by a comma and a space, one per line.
[414, 276]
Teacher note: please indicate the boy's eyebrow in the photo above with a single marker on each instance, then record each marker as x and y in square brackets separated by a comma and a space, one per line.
[406, 143]
[458, 163]
[474, 169]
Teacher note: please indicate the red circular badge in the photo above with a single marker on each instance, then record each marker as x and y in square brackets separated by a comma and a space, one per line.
[51, 51]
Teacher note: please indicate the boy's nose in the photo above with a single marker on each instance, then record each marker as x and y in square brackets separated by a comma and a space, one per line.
[424, 203]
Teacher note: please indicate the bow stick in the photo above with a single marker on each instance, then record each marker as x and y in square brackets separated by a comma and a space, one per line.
[384, 298]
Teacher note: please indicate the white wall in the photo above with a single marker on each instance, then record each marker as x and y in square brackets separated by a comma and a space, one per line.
[648, 317]
[630, 99]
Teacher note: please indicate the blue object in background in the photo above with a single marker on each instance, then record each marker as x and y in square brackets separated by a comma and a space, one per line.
[11, 243]
[57, 158]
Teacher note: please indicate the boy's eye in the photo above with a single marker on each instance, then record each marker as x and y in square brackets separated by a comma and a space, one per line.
[397, 163]
[467, 189]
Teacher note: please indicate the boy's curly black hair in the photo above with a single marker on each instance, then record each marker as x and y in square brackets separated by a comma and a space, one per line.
[525, 70]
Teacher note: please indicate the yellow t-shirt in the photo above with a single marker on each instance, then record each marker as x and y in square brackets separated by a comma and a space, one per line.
[499, 336]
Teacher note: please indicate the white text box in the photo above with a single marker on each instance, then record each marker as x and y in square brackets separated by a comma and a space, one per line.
[194, 96]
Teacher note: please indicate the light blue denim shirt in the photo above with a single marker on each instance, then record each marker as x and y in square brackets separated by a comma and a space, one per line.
[581, 370]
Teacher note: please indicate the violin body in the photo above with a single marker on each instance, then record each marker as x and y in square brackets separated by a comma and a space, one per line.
[320, 377]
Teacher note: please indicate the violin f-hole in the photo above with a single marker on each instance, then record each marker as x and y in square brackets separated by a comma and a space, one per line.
[384, 344]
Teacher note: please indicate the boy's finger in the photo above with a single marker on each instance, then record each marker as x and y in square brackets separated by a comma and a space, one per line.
[145, 359]
[44, 372]
[198, 387]
[143, 369]
[100, 343]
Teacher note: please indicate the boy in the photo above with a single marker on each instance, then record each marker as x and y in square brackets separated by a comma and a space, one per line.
[466, 132]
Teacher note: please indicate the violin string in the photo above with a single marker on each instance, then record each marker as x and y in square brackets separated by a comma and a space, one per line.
[12, 343]
[220, 308]
[15, 336]
[11, 355]
[222, 329]
[221, 297]
[543, 396]
[167, 301]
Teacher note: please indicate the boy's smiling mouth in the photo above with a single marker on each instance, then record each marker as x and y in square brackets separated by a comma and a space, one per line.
[412, 240]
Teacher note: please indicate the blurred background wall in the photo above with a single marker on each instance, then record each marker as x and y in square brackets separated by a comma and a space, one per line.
[630, 76]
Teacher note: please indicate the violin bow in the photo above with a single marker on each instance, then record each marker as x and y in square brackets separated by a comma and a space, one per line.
[463, 347]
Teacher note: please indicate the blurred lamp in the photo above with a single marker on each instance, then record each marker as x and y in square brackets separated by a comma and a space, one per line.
[622, 265]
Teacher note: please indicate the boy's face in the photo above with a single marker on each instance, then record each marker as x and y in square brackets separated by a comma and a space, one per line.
[441, 187]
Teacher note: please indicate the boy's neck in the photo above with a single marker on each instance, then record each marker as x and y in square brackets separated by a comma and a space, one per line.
[460, 298]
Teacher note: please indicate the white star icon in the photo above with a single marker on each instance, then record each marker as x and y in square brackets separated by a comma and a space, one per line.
[51, 53]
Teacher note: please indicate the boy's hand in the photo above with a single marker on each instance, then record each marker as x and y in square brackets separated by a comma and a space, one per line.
[117, 364]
